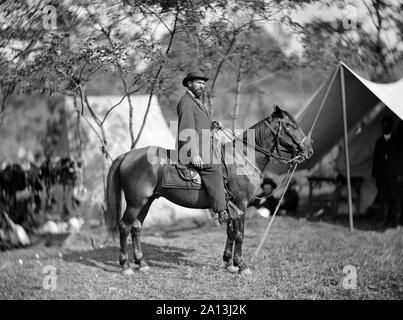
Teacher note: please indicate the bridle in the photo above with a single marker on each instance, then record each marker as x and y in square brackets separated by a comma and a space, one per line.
[298, 158]
[297, 148]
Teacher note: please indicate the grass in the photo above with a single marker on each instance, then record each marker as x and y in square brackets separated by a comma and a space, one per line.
[300, 260]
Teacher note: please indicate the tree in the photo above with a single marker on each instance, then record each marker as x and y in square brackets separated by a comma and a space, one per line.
[362, 40]
[64, 60]
[60, 47]
[215, 38]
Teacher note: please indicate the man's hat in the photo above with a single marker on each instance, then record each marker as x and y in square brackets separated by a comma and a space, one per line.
[196, 74]
[267, 180]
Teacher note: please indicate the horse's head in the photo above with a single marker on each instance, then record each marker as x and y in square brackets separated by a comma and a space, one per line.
[288, 134]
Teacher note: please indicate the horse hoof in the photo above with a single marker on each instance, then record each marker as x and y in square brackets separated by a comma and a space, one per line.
[246, 272]
[232, 269]
[128, 272]
[144, 269]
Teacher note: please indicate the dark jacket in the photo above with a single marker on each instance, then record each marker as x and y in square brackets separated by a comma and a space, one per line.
[193, 115]
[291, 200]
[268, 203]
[385, 161]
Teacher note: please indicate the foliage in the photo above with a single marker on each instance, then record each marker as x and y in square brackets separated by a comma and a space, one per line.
[361, 40]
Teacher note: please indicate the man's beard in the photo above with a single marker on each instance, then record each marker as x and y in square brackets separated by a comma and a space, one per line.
[197, 92]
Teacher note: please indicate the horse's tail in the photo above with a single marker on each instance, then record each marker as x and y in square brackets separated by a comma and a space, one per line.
[113, 213]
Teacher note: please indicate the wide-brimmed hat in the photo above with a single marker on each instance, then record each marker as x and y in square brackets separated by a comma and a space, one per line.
[269, 181]
[194, 75]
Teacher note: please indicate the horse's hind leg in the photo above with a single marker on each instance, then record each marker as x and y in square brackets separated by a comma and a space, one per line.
[136, 232]
[124, 230]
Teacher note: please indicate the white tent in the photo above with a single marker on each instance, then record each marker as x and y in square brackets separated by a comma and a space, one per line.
[338, 106]
[156, 133]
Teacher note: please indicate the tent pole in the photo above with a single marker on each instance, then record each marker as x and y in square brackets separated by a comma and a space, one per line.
[346, 153]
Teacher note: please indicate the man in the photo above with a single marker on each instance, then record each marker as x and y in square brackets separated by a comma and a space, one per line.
[291, 198]
[266, 198]
[194, 143]
[399, 139]
[384, 170]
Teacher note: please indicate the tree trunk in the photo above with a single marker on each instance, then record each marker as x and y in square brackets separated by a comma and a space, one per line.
[237, 95]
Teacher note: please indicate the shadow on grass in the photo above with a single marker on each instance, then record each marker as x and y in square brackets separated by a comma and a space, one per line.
[166, 257]
[359, 223]
[322, 211]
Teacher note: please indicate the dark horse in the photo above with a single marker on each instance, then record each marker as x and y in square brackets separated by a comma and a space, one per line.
[140, 180]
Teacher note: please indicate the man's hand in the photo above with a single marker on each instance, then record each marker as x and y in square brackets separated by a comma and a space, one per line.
[216, 125]
[197, 161]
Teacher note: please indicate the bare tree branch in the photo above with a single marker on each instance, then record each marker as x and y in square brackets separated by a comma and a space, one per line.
[155, 14]
[156, 79]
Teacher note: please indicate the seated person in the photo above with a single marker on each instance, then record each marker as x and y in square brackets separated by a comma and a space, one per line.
[265, 199]
[291, 198]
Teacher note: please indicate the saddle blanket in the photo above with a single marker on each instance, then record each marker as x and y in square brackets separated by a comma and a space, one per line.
[176, 176]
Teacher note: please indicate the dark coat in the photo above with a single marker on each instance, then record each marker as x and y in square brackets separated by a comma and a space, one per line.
[385, 161]
[193, 115]
[268, 203]
[291, 200]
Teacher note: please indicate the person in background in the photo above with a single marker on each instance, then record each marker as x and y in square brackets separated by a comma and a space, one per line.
[290, 201]
[385, 172]
[266, 198]
[399, 140]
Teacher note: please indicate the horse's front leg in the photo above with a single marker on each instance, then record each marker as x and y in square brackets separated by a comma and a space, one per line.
[238, 234]
[229, 246]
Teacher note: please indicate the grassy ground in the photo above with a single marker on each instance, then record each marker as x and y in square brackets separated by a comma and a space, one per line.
[300, 260]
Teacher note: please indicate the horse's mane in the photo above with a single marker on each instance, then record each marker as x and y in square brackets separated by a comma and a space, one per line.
[224, 137]
[261, 130]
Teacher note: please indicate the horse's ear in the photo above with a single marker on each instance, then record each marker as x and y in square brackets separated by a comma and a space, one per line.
[277, 111]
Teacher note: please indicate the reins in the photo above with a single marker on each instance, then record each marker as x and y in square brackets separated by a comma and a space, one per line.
[268, 154]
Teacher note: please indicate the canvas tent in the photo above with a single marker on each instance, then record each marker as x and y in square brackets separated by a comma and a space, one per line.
[324, 110]
[337, 108]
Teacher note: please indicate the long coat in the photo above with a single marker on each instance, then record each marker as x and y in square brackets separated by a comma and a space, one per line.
[193, 117]
[385, 162]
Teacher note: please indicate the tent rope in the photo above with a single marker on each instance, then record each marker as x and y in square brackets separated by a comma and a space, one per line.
[323, 100]
[272, 218]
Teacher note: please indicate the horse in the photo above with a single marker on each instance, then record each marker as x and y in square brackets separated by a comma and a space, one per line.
[140, 181]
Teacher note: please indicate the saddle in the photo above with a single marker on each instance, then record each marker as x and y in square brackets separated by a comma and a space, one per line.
[180, 176]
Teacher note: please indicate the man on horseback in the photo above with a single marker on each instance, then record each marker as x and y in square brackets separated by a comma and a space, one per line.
[194, 125]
